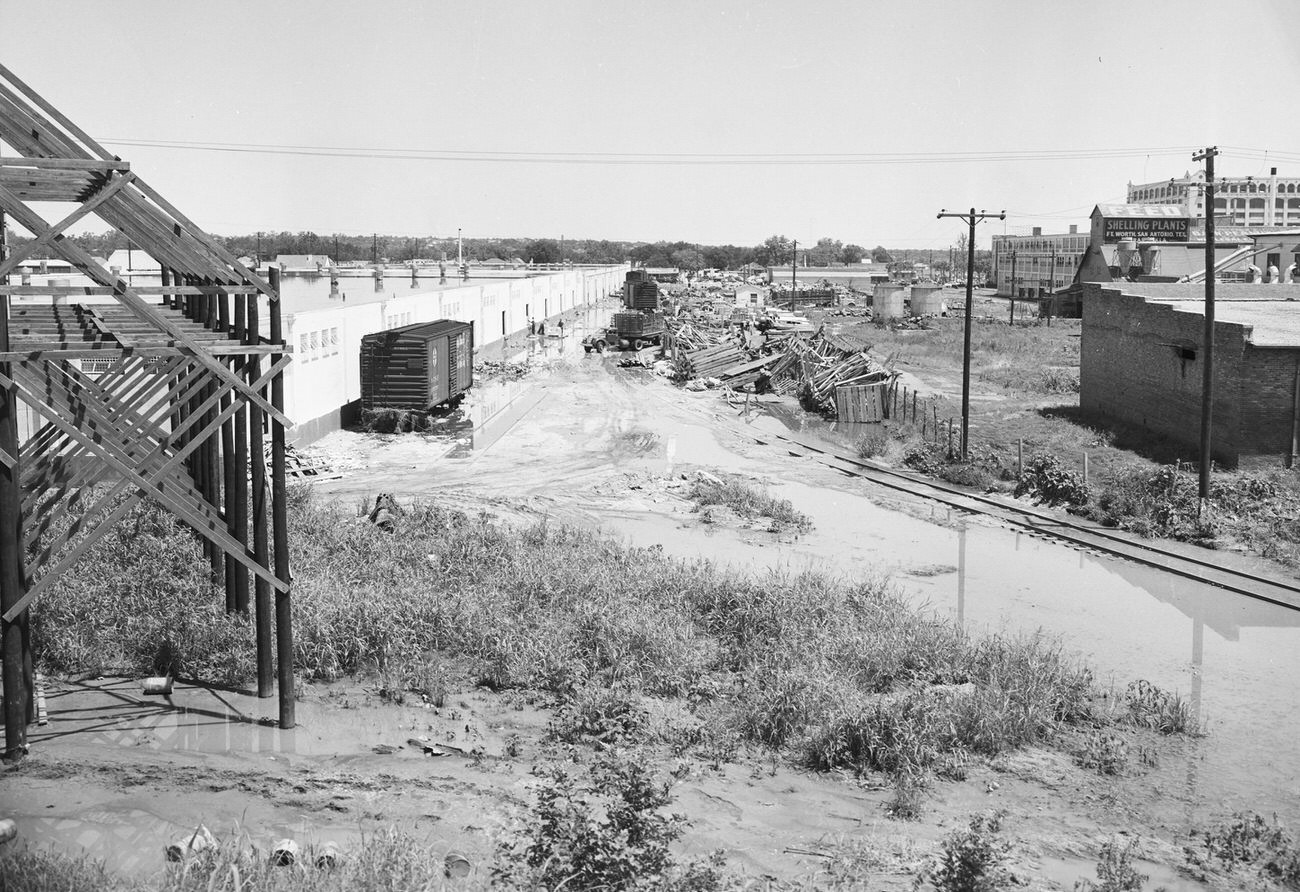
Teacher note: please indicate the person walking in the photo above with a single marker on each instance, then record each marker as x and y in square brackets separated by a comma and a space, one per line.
[561, 328]
[532, 326]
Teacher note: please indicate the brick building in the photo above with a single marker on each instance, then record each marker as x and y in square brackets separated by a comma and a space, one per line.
[1140, 364]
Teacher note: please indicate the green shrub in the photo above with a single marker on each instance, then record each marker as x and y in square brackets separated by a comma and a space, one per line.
[1247, 838]
[1147, 706]
[971, 860]
[1049, 483]
[607, 832]
[1103, 753]
[1115, 870]
[605, 715]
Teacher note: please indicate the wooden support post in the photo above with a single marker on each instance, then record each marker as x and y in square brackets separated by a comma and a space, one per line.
[240, 477]
[166, 280]
[261, 544]
[1020, 457]
[1085, 469]
[212, 448]
[280, 528]
[14, 641]
[913, 407]
[228, 487]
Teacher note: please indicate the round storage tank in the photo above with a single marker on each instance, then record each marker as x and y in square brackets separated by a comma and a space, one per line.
[887, 302]
[926, 300]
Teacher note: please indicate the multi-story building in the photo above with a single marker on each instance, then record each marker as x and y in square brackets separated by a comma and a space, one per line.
[1036, 265]
[1245, 201]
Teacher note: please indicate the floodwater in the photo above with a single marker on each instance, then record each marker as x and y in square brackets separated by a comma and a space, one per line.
[1235, 660]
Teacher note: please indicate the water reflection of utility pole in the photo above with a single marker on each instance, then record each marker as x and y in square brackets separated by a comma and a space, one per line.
[1192, 746]
[1198, 653]
[961, 578]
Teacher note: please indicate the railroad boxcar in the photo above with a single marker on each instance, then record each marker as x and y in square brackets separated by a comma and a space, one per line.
[418, 366]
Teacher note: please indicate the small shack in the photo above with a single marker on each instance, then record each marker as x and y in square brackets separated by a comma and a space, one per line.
[417, 366]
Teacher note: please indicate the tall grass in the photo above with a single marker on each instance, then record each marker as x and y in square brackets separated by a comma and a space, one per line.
[842, 674]
[387, 861]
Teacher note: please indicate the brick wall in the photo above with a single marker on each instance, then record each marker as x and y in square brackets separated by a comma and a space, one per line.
[1268, 395]
[1140, 363]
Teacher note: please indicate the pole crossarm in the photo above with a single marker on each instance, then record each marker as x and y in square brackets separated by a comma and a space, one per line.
[971, 217]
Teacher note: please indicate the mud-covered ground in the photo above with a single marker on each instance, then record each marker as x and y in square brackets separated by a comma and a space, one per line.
[576, 440]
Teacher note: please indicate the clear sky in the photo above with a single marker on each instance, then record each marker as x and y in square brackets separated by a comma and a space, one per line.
[702, 120]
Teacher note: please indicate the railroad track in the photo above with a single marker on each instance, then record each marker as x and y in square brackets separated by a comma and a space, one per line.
[1088, 537]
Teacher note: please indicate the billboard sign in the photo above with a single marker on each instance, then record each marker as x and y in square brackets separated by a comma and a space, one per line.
[1145, 229]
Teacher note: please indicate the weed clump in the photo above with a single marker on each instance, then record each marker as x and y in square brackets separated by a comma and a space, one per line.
[607, 831]
[1148, 706]
[1115, 870]
[971, 860]
[1048, 482]
[746, 501]
[1249, 839]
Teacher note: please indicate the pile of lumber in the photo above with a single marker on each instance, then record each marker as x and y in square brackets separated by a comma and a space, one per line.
[709, 361]
[814, 368]
[303, 465]
[691, 337]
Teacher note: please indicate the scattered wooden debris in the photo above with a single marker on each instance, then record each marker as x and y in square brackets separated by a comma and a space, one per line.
[304, 465]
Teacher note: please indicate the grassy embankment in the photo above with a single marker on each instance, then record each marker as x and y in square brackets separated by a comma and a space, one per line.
[1136, 481]
[829, 674]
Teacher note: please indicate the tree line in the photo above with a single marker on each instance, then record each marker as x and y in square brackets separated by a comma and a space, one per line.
[776, 250]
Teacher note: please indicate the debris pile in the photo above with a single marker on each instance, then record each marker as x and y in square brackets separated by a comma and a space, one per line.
[493, 370]
[304, 464]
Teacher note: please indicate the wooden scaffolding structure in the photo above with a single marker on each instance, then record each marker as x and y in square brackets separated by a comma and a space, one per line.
[155, 392]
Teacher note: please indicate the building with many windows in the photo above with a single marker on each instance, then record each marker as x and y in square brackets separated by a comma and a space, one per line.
[1238, 201]
[1036, 265]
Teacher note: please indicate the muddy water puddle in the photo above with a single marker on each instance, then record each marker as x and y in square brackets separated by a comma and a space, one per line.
[1236, 661]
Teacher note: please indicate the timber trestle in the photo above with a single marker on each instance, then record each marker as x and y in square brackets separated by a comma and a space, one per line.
[162, 392]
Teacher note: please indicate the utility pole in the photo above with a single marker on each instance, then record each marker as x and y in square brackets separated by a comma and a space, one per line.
[1207, 379]
[374, 249]
[794, 266]
[971, 219]
[257, 259]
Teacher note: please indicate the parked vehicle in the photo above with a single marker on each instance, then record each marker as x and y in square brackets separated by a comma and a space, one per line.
[627, 331]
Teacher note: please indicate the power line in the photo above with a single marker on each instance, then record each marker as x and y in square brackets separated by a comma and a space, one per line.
[647, 158]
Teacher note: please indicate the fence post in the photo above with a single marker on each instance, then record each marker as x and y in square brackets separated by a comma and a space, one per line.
[1085, 469]
[1020, 457]
[914, 407]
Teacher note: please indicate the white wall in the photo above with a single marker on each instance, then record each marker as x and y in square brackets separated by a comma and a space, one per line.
[325, 375]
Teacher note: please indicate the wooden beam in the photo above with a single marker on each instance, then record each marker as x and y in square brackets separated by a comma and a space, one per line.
[208, 526]
[280, 528]
[127, 296]
[12, 584]
[261, 543]
[50, 235]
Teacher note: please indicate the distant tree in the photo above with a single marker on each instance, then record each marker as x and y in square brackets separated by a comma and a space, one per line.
[880, 255]
[852, 253]
[825, 252]
[687, 259]
[776, 250]
[542, 250]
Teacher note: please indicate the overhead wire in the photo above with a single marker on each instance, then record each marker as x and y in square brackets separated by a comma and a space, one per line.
[646, 158]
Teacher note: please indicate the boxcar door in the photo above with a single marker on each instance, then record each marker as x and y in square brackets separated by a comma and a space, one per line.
[463, 361]
[437, 357]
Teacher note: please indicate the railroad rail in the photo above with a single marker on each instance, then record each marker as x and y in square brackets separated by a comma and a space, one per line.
[1262, 588]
